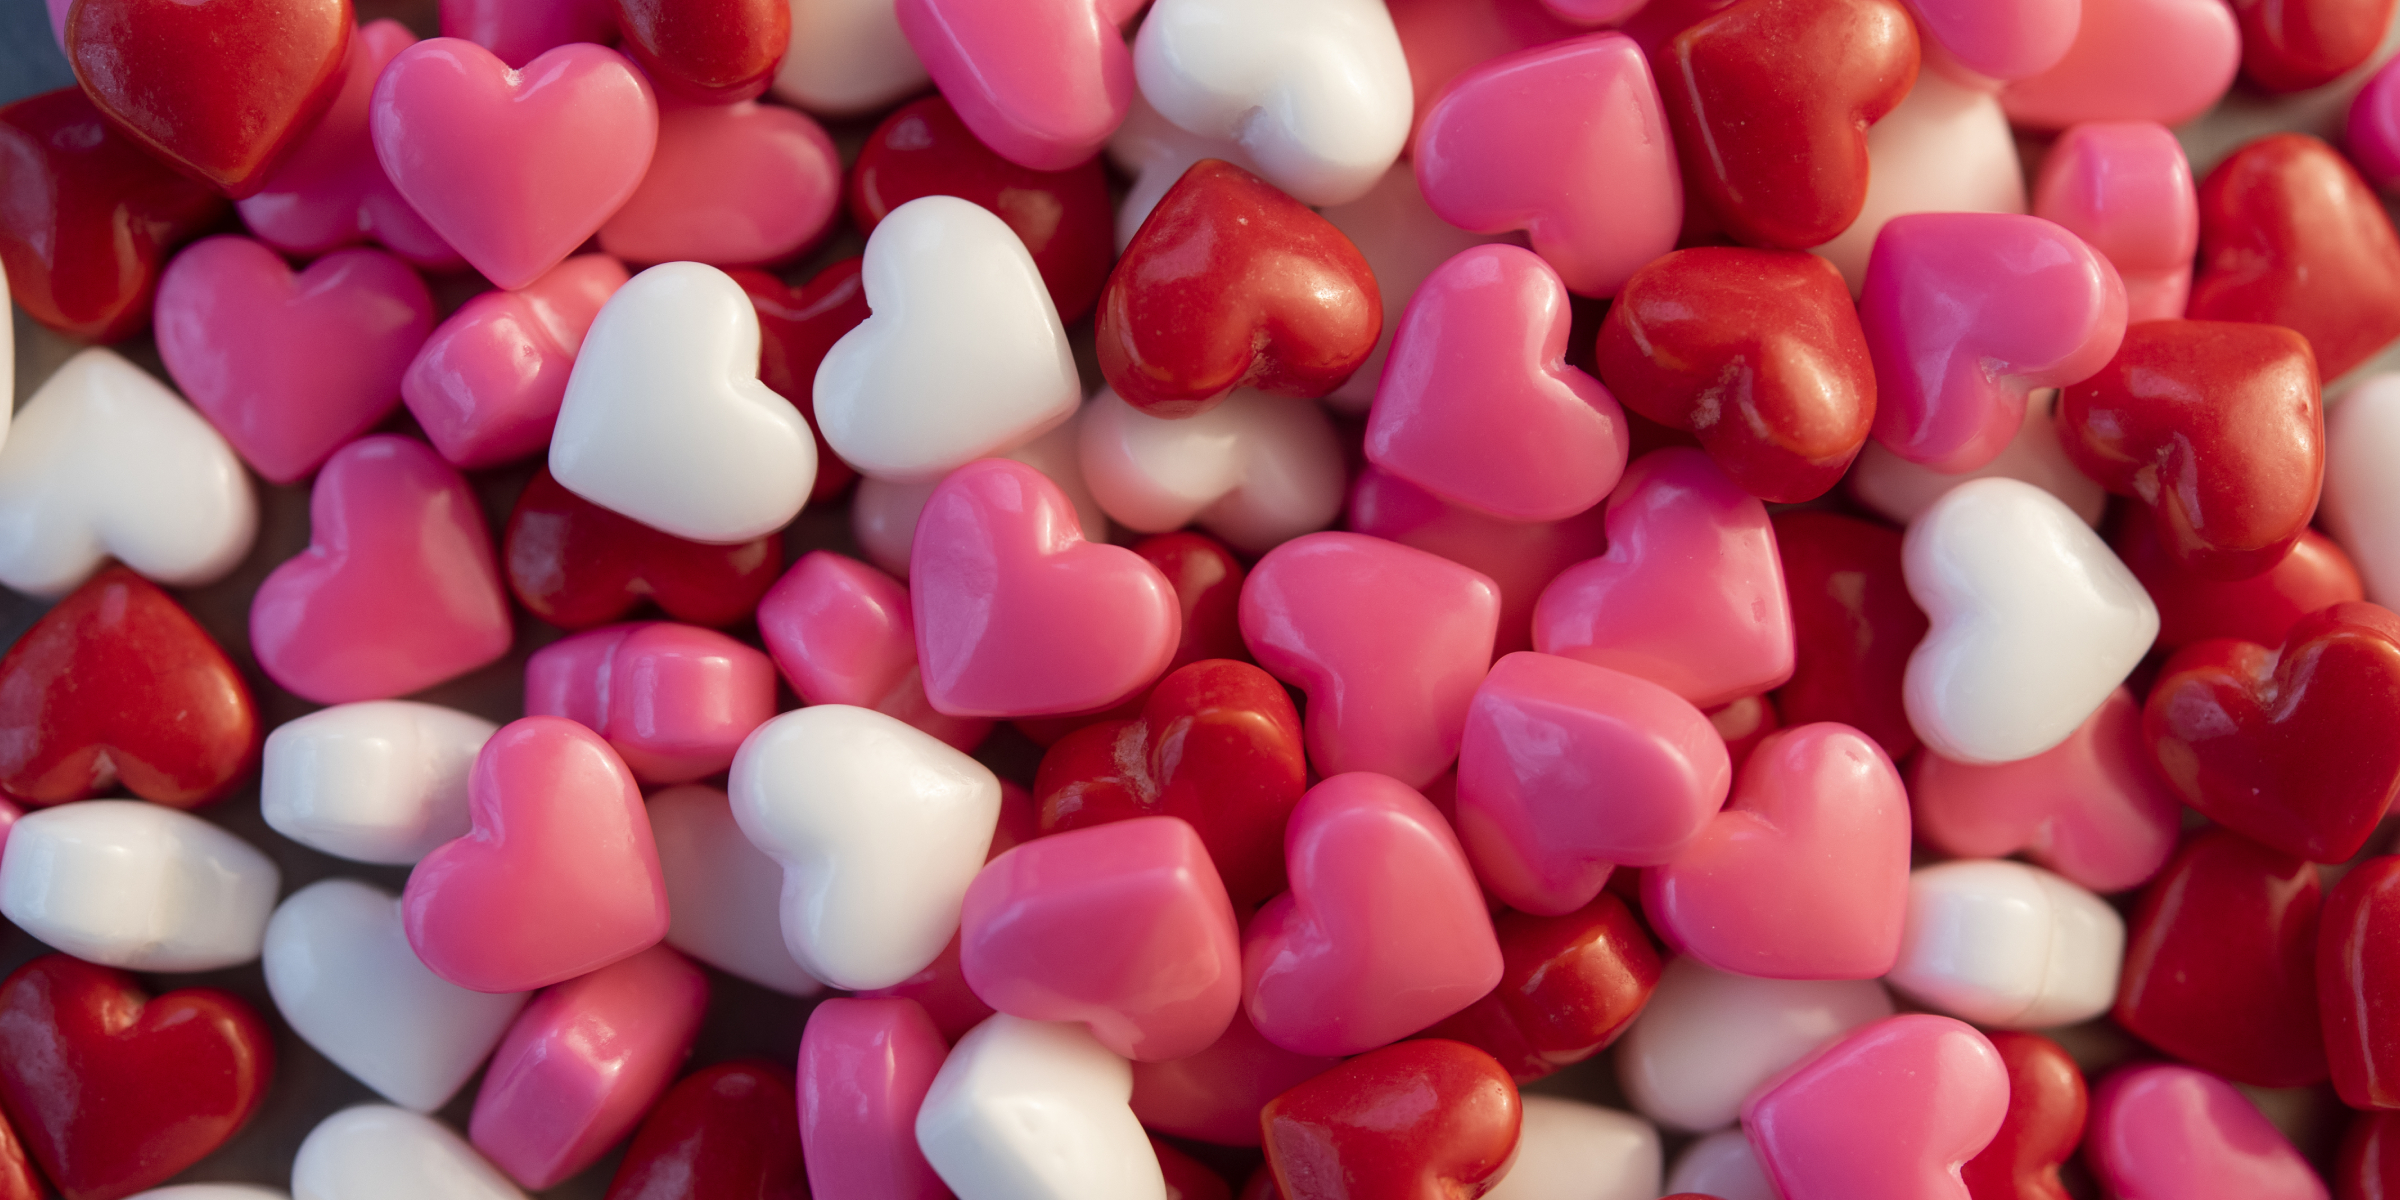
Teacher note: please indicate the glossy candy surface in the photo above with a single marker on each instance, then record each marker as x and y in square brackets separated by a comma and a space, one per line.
[2292, 47]
[1216, 1095]
[377, 1152]
[1853, 626]
[1571, 985]
[2264, 607]
[136, 885]
[2046, 1108]
[1521, 558]
[797, 326]
[722, 892]
[674, 702]
[379, 781]
[487, 384]
[2134, 60]
[2356, 975]
[1420, 1120]
[842, 632]
[1025, 1108]
[1890, 1112]
[1041, 84]
[715, 52]
[731, 185]
[2291, 236]
[2125, 188]
[2007, 946]
[1709, 1039]
[575, 564]
[2164, 1130]
[724, 1130]
[1256, 470]
[864, 1068]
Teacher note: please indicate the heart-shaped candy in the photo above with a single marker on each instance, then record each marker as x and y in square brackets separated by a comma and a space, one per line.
[2046, 1106]
[842, 633]
[2361, 498]
[559, 877]
[1853, 626]
[2371, 134]
[2365, 1167]
[2007, 946]
[1890, 1112]
[673, 701]
[1154, 154]
[716, 53]
[1256, 470]
[1568, 1148]
[2164, 1130]
[865, 1066]
[797, 325]
[1569, 986]
[105, 462]
[518, 31]
[377, 1152]
[725, 1130]
[380, 781]
[1418, 1120]
[343, 976]
[732, 185]
[847, 58]
[2354, 970]
[2134, 60]
[1899, 490]
[883, 515]
[2296, 47]
[2262, 608]
[2291, 236]
[487, 384]
[1708, 1039]
[576, 564]
[722, 892]
[1403, 241]
[290, 365]
[135, 885]
[1521, 558]
[514, 168]
[1946, 148]
[1028, 1108]
[1042, 84]
[2125, 188]
[1216, 1095]
[2016, 39]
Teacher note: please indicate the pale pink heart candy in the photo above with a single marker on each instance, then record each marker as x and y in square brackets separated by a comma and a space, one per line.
[2371, 132]
[1804, 875]
[674, 701]
[2165, 1131]
[1567, 142]
[1256, 471]
[1478, 404]
[865, 1066]
[519, 31]
[1947, 148]
[732, 185]
[487, 385]
[1388, 642]
[330, 190]
[1521, 557]
[514, 168]
[1993, 41]
[1215, 1095]
[1403, 241]
[1442, 38]
[288, 366]
[1017, 615]
[2134, 60]
[842, 633]
[1690, 593]
[1966, 314]
[2125, 187]
[1041, 82]
[1890, 1112]
[397, 590]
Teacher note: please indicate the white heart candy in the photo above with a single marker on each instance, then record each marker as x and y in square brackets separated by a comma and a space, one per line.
[1036, 1110]
[1722, 1165]
[1316, 92]
[1946, 148]
[127, 883]
[883, 515]
[377, 1152]
[847, 58]
[105, 462]
[2035, 622]
[1570, 1150]
[2008, 946]
[209, 1191]
[1154, 153]
[2362, 491]
[1256, 470]
[723, 895]
[1899, 489]
[1403, 240]
[963, 357]
[379, 781]
[879, 829]
[666, 422]
[1708, 1038]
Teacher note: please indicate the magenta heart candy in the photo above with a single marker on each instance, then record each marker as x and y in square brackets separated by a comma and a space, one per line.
[288, 366]
[487, 385]
[1521, 557]
[865, 1066]
[397, 590]
[1995, 40]
[2134, 60]
[514, 168]
[674, 701]
[2164, 1131]
[842, 633]
[732, 185]
[2371, 133]
[1477, 403]
[2125, 188]
[519, 31]
[1889, 1112]
[1041, 82]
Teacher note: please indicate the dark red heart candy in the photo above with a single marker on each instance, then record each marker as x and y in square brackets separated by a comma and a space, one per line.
[2358, 983]
[1854, 625]
[576, 564]
[1571, 985]
[797, 326]
[2046, 1107]
[731, 1131]
[1420, 1120]
[2295, 45]
[2260, 609]
[707, 51]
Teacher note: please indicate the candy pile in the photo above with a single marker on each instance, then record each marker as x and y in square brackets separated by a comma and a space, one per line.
[1773, 535]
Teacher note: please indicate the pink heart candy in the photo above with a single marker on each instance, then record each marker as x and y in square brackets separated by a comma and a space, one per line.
[330, 190]
[1805, 874]
[584, 1062]
[841, 633]
[1966, 313]
[732, 185]
[2134, 60]
[1521, 557]
[2093, 808]
[865, 1066]
[397, 590]
[1889, 1112]
[519, 31]
[1478, 404]
[1593, 12]
[1215, 1095]
[1017, 615]
[1388, 642]
[514, 168]
[2164, 1131]
[2125, 188]
[674, 701]
[559, 876]
[1568, 769]
[2371, 133]
[288, 366]
[1041, 82]
[1690, 593]
[1123, 926]
[1383, 932]
[1567, 142]
[1996, 40]
[487, 385]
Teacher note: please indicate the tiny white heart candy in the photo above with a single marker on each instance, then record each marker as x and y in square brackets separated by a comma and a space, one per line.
[665, 419]
[963, 356]
[1403, 240]
[2035, 622]
[210, 1191]
[377, 1152]
[847, 58]
[1570, 1150]
[1036, 1110]
[1315, 91]
[879, 829]
[340, 969]
[723, 895]
[1256, 470]
[1722, 1165]
[379, 781]
[1708, 1038]
[2008, 946]
[2362, 491]
[1899, 489]
[883, 515]
[127, 883]
[1154, 153]
[106, 461]
[1945, 148]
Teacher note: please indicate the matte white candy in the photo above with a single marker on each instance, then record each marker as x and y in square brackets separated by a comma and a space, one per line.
[1315, 91]
[963, 357]
[1035, 1110]
[847, 58]
[1570, 1150]
[2035, 622]
[723, 895]
[1722, 1165]
[1707, 1038]
[341, 971]
[380, 781]
[131, 884]
[1946, 148]
[1403, 240]
[879, 829]
[883, 515]
[666, 422]
[107, 462]
[377, 1152]
[1899, 489]
[2008, 946]
[1256, 470]
[210, 1191]
[2362, 490]
[1151, 150]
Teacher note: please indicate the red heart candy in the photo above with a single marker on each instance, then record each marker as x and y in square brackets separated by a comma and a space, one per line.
[2291, 747]
[1422, 1120]
[1770, 102]
[731, 1130]
[1771, 333]
[2216, 427]
[1230, 283]
[2295, 45]
[576, 564]
[2357, 974]
[1854, 626]
[2291, 236]
[114, 1091]
[2260, 609]
[1187, 1177]
[87, 216]
[797, 325]
[2368, 1167]
[1215, 1095]
[117, 687]
[1570, 986]
[2046, 1105]
[2220, 963]
[708, 51]
[218, 88]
